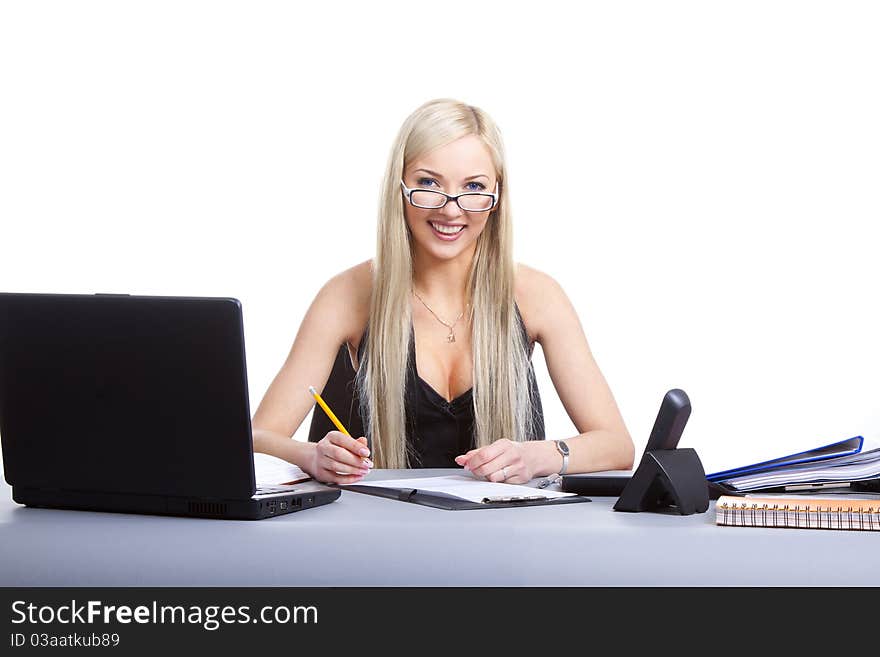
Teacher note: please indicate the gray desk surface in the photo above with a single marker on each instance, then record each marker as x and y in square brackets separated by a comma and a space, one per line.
[362, 540]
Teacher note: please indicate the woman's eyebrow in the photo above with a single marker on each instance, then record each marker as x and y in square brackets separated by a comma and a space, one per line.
[439, 175]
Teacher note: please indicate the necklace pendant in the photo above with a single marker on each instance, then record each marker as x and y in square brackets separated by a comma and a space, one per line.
[450, 337]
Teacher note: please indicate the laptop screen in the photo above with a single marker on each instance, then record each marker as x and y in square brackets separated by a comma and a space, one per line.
[122, 393]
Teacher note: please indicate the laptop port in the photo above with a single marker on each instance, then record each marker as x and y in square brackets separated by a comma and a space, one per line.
[283, 505]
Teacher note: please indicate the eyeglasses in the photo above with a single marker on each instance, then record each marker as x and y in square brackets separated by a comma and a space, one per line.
[432, 199]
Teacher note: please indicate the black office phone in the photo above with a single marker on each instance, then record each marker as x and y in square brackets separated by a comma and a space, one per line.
[668, 427]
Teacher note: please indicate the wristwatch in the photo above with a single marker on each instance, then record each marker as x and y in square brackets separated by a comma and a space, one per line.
[562, 446]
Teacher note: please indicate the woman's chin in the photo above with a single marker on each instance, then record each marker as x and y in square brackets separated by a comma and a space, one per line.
[445, 251]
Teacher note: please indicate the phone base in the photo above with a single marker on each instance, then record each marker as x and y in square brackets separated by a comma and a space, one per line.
[667, 478]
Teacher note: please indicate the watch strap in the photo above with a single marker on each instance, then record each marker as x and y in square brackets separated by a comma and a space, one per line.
[564, 451]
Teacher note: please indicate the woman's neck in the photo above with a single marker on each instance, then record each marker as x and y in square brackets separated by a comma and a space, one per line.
[443, 281]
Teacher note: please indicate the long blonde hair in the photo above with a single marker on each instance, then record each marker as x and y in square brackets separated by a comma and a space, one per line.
[501, 392]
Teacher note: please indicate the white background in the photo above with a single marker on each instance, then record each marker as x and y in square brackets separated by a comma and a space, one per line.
[701, 178]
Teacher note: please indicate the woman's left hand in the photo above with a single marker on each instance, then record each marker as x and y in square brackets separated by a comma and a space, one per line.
[504, 461]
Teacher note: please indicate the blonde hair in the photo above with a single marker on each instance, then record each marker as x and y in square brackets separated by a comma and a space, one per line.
[501, 393]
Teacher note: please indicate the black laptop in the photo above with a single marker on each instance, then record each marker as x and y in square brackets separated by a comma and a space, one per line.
[132, 403]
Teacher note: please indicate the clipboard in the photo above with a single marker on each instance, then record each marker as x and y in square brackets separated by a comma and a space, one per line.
[439, 500]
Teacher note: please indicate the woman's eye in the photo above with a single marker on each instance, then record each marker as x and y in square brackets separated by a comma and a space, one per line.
[477, 187]
[426, 182]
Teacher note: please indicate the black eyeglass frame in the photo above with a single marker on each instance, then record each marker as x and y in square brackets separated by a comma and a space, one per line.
[408, 192]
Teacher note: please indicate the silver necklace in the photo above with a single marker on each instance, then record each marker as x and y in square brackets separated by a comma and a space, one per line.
[451, 336]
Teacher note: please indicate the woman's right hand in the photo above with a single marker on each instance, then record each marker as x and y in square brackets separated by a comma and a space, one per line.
[340, 459]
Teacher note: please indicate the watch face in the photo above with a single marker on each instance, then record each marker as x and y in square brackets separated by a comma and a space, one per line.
[562, 447]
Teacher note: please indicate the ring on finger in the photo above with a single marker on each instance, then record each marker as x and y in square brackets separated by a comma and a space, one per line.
[504, 474]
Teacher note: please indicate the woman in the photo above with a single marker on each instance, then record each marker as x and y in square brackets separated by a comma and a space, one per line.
[425, 349]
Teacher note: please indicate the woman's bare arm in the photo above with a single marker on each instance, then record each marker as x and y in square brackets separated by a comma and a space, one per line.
[335, 315]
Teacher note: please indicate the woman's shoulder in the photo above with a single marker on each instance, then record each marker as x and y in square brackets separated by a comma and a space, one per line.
[529, 280]
[349, 294]
[533, 290]
[351, 285]
[360, 279]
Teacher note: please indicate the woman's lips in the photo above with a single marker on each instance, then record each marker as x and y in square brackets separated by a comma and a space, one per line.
[446, 237]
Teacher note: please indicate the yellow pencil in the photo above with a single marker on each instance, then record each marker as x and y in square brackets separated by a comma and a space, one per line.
[327, 410]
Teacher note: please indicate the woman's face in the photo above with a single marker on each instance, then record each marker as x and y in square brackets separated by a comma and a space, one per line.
[461, 166]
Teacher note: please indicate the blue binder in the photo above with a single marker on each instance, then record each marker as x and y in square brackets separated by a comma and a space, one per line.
[842, 448]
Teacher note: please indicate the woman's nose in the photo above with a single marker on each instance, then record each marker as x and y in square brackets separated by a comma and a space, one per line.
[452, 210]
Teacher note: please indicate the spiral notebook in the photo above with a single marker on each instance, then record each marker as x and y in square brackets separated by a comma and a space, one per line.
[803, 513]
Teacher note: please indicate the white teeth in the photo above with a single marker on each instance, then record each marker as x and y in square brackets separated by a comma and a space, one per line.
[447, 230]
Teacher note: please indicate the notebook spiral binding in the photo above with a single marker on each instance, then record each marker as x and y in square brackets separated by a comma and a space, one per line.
[765, 514]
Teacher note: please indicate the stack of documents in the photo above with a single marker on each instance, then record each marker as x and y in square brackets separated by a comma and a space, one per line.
[839, 464]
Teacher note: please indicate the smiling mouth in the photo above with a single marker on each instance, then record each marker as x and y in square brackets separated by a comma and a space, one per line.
[445, 229]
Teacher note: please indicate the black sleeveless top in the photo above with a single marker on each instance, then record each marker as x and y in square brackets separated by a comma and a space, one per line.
[437, 430]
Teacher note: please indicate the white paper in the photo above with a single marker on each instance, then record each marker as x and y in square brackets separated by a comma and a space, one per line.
[466, 487]
[272, 471]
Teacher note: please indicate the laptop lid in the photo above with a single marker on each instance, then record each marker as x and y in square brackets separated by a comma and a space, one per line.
[125, 394]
